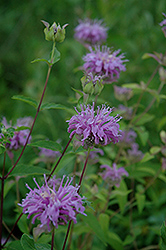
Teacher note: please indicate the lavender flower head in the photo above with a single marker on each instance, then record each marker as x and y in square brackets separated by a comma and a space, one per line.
[19, 137]
[48, 155]
[53, 207]
[134, 155]
[122, 94]
[105, 63]
[126, 112]
[113, 175]
[91, 32]
[127, 138]
[163, 25]
[94, 127]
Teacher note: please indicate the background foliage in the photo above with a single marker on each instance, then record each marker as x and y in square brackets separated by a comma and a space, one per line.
[133, 27]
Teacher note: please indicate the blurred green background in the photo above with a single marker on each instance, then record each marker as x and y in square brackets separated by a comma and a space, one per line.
[133, 27]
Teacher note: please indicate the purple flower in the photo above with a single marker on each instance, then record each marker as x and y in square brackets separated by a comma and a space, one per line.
[163, 25]
[48, 155]
[127, 137]
[113, 175]
[105, 63]
[53, 207]
[134, 155]
[125, 111]
[19, 137]
[91, 31]
[94, 127]
[122, 94]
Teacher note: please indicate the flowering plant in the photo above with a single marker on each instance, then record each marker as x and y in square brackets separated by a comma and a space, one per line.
[104, 160]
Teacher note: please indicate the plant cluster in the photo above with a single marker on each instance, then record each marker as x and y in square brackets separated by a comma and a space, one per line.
[101, 180]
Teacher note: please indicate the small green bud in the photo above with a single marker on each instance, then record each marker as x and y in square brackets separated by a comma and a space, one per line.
[54, 33]
[162, 74]
[4, 131]
[163, 136]
[92, 85]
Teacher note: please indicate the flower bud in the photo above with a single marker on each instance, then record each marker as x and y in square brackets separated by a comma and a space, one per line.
[54, 33]
[163, 136]
[162, 74]
[92, 84]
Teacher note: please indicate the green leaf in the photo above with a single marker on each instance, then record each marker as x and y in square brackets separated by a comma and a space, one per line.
[27, 242]
[114, 240]
[2, 149]
[143, 134]
[146, 56]
[128, 240]
[43, 246]
[21, 128]
[22, 224]
[154, 93]
[46, 106]
[104, 222]
[121, 195]
[147, 170]
[15, 245]
[28, 100]
[155, 150]
[93, 223]
[162, 177]
[140, 198]
[132, 85]
[163, 236]
[46, 144]
[56, 58]
[22, 169]
[163, 96]
[147, 157]
[78, 92]
[8, 185]
[41, 60]
[143, 119]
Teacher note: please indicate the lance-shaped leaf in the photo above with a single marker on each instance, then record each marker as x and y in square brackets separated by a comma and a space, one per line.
[46, 144]
[28, 100]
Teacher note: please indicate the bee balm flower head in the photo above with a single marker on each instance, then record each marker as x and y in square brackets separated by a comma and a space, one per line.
[91, 32]
[113, 175]
[105, 63]
[94, 127]
[53, 206]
